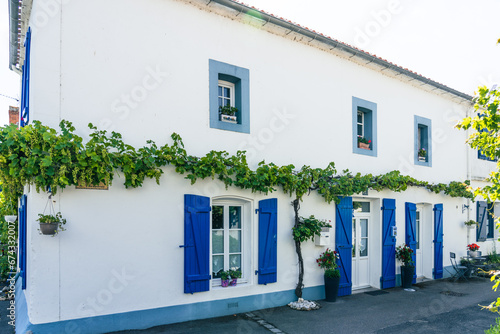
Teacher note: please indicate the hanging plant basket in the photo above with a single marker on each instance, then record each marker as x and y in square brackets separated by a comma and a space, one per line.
[50, 223]
[49, 228]
[10, 218]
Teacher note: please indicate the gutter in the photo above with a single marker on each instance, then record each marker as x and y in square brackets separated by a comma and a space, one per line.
[14, 31]
[242, 8]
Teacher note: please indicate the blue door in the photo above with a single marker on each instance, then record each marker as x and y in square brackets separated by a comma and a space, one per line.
[388, 279]
[343, 243]
[438, 241]
[411, 233]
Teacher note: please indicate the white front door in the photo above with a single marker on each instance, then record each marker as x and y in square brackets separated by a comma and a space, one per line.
[360, 254]
[419, 266]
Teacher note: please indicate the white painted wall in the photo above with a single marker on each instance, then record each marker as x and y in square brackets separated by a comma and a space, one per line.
[85, 64]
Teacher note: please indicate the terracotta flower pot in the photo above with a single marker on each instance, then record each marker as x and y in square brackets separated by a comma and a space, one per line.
[363, 146]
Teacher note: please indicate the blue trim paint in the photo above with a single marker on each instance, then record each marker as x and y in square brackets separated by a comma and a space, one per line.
[166, 315]
[387, 280]
[240, 77]
[370, 110]
[426, 125]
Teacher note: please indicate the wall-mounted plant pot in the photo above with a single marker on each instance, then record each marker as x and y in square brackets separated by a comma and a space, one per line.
[48, 228]
[229, 119]
[363, 146]
[10, 219]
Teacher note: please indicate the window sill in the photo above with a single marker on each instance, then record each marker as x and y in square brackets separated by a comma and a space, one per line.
[216, 285]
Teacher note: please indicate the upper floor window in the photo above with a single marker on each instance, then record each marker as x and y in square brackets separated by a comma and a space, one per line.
[364, 123]
[423, 141]
[229, 97]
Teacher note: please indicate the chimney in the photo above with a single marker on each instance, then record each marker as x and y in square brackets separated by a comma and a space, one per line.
[13, 115]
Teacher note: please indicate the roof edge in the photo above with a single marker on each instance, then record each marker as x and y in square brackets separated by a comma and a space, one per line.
[243, 8]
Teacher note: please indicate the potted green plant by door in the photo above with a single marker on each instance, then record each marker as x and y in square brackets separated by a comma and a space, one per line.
[49, 224]
[328, 261]
[404, 254]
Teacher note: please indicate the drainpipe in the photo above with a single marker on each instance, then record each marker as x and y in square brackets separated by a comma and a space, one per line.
[468, 152]
[13, 34]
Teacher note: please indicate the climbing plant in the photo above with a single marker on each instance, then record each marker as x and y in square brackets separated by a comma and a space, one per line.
[41, 156]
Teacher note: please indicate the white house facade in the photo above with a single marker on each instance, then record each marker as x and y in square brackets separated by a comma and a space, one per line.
[137, 258]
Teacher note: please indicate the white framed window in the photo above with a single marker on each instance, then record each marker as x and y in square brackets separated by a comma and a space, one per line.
[360, 124]
[226, 93]
[230, 238]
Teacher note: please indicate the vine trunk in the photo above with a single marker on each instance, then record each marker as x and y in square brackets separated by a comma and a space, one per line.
[300, 285]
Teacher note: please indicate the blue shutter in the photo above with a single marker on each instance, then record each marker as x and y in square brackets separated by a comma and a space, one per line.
[411, 235]
[482, 219]
[343, 243]
[438, 241]
[196, 243]
[22, 238]
[25, 87]
[388, 279]
[491, 220]
[268, 235]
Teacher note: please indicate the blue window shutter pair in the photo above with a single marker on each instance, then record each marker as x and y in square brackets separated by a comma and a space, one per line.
[411, 233]
[25, 87]
[343, 243]
[197, 242]
[438, 241]
[22, 238]
[388, 279]
[482, 219]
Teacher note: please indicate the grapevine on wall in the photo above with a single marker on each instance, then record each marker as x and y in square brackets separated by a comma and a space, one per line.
[39, 155]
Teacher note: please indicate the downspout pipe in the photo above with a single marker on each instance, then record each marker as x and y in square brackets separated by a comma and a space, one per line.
[14, 8]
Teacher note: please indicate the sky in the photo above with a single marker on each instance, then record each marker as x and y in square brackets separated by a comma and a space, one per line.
[450, 41]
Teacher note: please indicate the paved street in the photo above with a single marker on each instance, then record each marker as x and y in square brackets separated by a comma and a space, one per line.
[434, 307]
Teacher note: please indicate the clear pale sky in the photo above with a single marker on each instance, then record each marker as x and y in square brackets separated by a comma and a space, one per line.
[452, 42]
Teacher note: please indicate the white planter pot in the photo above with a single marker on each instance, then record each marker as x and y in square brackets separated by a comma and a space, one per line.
[422, 159]
[474, 253]
[10, 219]
[229, 119]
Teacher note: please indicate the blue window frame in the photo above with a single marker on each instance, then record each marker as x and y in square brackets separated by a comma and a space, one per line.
[25, 84]
[423, 141]
[364, 124]
[229, 84]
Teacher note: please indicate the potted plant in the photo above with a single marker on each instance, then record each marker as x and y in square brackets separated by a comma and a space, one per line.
[49, 223]
[228, 114]
[234, 273]
[328, 261]
[364, 143]
[10, 214]
[471, 223]
[473, 250]
[224, 278]
[405, 255]
[422, 154]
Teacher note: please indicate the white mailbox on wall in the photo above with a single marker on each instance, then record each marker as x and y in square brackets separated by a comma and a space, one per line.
[324, 238]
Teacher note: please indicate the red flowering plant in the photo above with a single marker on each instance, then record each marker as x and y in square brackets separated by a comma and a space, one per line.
[404, 254]
[364, 140]
[472, 247]
[328, 261]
